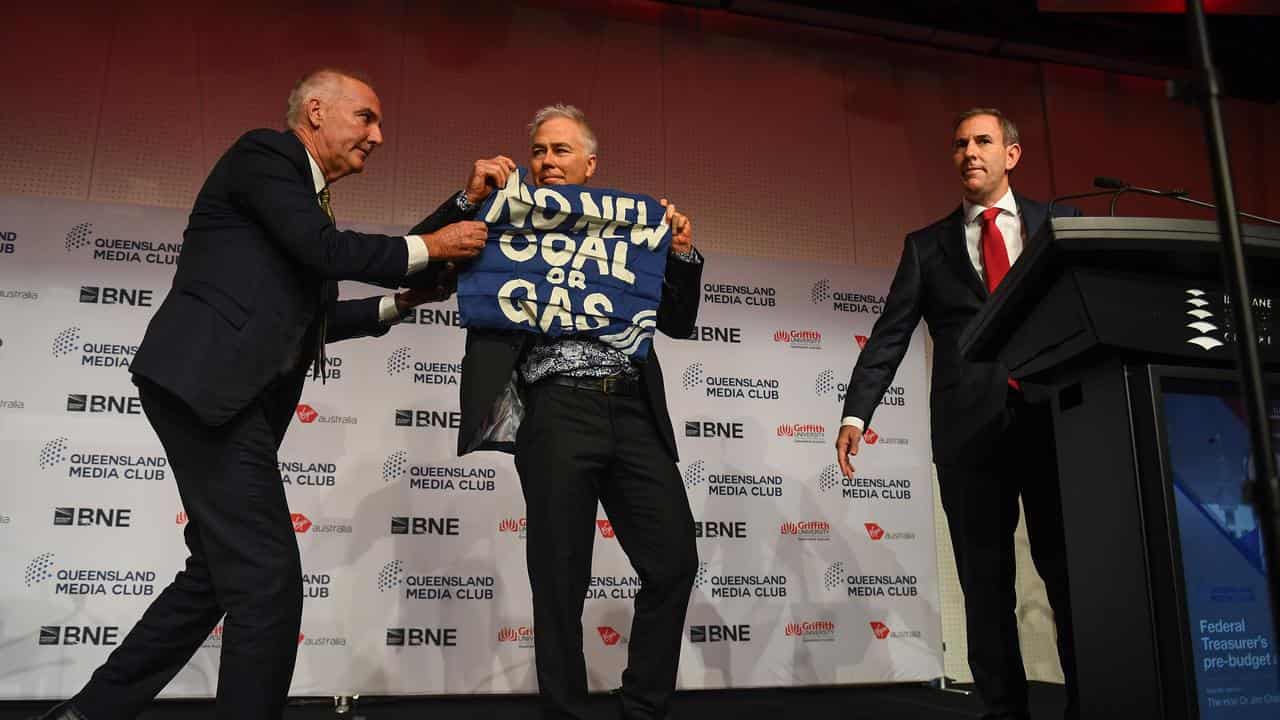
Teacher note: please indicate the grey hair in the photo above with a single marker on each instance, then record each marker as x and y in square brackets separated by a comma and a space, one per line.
[1007, 128]
[565, 111]
[324, 83]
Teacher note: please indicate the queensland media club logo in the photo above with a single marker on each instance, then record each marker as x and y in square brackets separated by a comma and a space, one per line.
[8, 242]
[406, 637]
[101, 465]
[799, 339]
[121, 250]
[521, 636]
[859, 487]
[731, 386]
[308, 472]
[99, 582]
[803, 433]
[739, 585]
[850, 301]
[422, 372]
[837, 579]
[309, 415]
[439, 478]
[88, 635]
[392, 577]
[92, 354]
[127, 297]
[752, 296]
[811, 630]
[104, 404]
[613, 587]
[725, 483]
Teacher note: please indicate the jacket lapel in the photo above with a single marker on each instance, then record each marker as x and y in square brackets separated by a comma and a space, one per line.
[1033, 217]
[957, 252]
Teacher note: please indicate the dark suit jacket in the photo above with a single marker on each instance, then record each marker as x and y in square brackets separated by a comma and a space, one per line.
[492, 355]
[257, 257]
[935, 280]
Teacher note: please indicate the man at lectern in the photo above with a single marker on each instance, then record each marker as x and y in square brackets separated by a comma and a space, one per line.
[220, 372]
[990, 445]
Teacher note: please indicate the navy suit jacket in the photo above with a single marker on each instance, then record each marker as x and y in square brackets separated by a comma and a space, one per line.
[258, 257]
[936, 281]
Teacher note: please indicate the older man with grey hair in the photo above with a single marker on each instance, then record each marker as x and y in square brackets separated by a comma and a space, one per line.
[589, 426]
[220, 372]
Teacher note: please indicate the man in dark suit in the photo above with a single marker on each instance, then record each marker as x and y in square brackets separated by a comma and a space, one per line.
[219, 374]
[587, 425]
[990, 446]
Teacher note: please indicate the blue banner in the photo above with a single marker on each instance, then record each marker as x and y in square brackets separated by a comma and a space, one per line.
[569, 260]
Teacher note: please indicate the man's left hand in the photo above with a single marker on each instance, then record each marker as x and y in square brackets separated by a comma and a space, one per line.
[681, 229]
[406, 300]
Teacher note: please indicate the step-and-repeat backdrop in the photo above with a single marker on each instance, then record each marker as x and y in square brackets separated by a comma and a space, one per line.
[415, 577]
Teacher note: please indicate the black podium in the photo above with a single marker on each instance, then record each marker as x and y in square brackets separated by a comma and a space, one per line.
[1122, 324]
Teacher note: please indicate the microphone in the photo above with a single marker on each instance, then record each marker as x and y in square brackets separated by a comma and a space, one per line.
[1119, 187]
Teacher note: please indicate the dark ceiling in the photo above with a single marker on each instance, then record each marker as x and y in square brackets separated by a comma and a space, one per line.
[1246, 48]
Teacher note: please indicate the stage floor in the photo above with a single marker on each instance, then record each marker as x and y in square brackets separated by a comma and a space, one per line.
[896, 702]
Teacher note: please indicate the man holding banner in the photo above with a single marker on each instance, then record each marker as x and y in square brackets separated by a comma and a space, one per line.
[559, 369]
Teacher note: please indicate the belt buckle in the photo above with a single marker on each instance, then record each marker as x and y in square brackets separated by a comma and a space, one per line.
[608, 385]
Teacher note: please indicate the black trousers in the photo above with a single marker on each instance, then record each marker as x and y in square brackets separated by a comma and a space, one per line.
[576, 447]
[981, 503]
[244, 562]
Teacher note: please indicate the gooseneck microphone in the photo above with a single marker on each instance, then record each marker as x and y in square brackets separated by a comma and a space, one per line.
[1119, 187]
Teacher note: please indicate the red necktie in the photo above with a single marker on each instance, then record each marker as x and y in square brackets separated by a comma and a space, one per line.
[995, 257]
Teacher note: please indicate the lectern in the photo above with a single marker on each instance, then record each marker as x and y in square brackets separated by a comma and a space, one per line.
[1123, 326]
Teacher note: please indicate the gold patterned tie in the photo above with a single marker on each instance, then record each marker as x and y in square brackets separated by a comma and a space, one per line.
[320, 367]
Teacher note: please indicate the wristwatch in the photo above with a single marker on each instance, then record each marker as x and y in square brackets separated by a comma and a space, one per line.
[465, 205]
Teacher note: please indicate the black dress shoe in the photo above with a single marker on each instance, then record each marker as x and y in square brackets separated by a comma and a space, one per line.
[63, 711]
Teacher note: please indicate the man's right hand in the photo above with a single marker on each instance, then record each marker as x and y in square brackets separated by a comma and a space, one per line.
[462, 240]
[846, 445]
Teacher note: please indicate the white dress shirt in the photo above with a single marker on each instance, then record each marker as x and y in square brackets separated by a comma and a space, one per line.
[1009, 222]
[418, 255]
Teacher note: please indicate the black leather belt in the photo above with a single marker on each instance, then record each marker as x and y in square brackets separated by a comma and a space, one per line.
[611, 385]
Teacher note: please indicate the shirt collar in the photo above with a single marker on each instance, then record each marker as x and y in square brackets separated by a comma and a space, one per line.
[317, 175]
[1005, 203]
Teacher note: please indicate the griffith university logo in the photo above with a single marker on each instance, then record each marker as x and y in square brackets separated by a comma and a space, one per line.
[515, 526]
[811, 630]
[120, 250]
[804, 433]
[1200, 321]
[401, 364]
[806, 530]
[520, 636]
[800, 339]
[850, 301]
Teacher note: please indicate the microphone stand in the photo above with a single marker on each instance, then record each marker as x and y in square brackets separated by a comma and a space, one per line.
[1181, 196]
[1263, 490]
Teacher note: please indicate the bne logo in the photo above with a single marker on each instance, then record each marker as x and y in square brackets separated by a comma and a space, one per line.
[114, 404]
[417, 637]
[80, 635]
[447, 419]
[709, 429]
[422, 316]
[8, 242]
[426, 526]
[719, 633]
[133, 297]
[93, 517]
[719, 529]
[712, 333]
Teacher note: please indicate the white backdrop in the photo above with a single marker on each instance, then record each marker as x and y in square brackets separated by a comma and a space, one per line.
[806, 578]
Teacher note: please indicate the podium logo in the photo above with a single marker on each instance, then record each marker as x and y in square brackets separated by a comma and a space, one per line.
[307, 414]
[420, 636]
[609, 636]
[879, 629]
[131, 297]
[1200, 321]
[97, 635]
[606, 528]
[301, 523]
